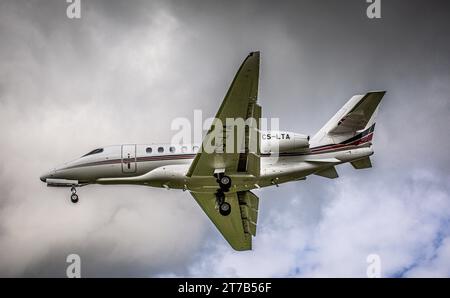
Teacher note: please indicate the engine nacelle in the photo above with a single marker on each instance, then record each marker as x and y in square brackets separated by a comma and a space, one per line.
[283, 141]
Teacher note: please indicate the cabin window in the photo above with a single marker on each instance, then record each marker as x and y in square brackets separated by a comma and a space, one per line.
[195, 148]
[184, 149]
[95, 151]
[160, 149]
[149, 150]
[172, 149]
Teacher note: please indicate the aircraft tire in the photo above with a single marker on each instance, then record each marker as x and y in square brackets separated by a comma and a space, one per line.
[225, 183]
[74, 198]
[224, 209]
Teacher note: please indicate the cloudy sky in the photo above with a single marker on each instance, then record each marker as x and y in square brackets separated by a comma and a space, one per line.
[126, 69]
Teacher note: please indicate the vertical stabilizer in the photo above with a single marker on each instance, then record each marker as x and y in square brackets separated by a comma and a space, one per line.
[354, 123]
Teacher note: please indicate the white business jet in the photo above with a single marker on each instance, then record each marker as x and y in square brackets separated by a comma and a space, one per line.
[221, 180]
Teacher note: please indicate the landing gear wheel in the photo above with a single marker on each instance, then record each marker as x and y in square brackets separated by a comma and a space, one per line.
[225, 183]
[74, 198]
[224, 209]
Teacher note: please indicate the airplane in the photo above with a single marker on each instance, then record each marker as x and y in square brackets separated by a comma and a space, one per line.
[221, 180]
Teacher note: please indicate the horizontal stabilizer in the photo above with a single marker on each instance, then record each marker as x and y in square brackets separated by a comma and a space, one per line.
[362, 163]
[328, 173]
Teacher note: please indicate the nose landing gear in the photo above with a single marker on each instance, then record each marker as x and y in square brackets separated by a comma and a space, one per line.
[74, 196]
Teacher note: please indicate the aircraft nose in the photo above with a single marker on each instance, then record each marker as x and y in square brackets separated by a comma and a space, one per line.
[47, 175]
[43, 177]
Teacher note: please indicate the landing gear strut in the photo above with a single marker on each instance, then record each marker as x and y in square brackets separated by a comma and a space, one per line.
[224, 207]
[74, 196]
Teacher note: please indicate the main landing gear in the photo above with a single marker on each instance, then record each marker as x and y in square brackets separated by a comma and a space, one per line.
[74, 196]
[224, 184]
[224, 207]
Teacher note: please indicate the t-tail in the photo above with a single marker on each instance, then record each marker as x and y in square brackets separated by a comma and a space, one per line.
[353, 125]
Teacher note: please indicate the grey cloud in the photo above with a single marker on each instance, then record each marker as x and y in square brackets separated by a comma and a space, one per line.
[126, 69]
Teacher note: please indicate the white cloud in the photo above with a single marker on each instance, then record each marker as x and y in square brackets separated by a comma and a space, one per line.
[397, 220]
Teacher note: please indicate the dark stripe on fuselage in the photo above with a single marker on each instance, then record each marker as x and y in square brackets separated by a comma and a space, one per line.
[360, 135]
[351, 140]
[138, 159]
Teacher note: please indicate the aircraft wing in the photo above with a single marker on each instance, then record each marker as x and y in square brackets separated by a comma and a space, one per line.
[239, 226]
[239, 103]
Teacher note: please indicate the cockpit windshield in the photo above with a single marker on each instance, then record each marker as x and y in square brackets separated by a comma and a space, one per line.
[95, 151]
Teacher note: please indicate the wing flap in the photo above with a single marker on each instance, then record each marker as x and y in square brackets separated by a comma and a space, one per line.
[249, 202]
[249, 227]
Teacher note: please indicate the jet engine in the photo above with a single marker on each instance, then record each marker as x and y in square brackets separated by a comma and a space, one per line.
[283, 141]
